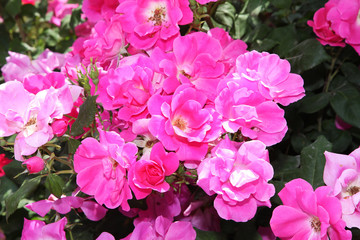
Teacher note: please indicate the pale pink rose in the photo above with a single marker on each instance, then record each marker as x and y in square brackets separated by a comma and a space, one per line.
[102, 169]
[269, 75]
[162, 228]
[59, 8]
[322, 27]
[342, 174]
[63, 205]
[34, 164]
[307, 214]
[239, 178]
[183, 123]
[29, 115]
[96, 10]
[19, 65]
[36, 230]
[196, 60]
[153, 23]
[248, 111]
[149, 172]
[345, 20]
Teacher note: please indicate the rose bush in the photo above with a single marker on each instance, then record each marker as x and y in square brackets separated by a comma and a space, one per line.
[179, 119]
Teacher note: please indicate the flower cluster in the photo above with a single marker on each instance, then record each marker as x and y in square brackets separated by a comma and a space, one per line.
[337, 23]
[148, 112]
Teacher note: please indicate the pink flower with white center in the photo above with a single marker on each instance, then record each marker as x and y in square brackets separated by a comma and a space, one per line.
[344, 16]
[248, 111]
[38, 230]
[63, 205]
[96, 10]
[196, 60]
[308, 214]
[162, 228]
[184, 124]
[271, 76]
[27, 114]
[128, 87]
[149, 172]
[102, 168]
[59, 8]
[154, 22]
[239, 178]
[19, 65]
[322, 27]
[342, 174]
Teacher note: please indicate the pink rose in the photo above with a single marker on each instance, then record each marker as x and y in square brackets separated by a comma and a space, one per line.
[36, 229]
[34, 164]
[149, 172]
[308, 214]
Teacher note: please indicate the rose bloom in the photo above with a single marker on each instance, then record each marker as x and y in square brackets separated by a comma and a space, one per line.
[38, 230]
[34, 164]
[238, 177]
[342, 174]
[3, 161]
[149, 172]
[308, 214]
[102, 169]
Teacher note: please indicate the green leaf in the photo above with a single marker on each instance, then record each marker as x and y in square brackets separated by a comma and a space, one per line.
[73, 144]
[7, 187]
[346, 104]
[225, 15]
[351, 72]
[54, 184]
[25, 190]
[285, 37]
[306, 55]
[240, 26]
[13, 7]
[207, 235]
[86, 116]
[314, 103]
[299, 141]
[313, 161]
[282, 162]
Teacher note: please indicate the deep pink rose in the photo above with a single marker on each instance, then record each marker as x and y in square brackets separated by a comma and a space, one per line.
[36, 229]
[149, 172]
[34, 164]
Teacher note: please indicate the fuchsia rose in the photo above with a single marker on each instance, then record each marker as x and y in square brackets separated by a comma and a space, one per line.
[342, 174]
[102, 168]
[196, 60]
[3, 162]
[205, 1]
[231, 48]
[63, 205]
[34, 164]
[307, 214]
[96, 10]
[344, 16]
[59, 8]
[128, 87]
[153, 23]
[248, 111]
[104, 45]
[268, 74]
[38, 230]
[184, 123]
[239, 178]
[162, 228]
[149, 172]
[322, 29]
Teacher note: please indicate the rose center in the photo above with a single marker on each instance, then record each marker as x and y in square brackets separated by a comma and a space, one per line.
[353, 190]
[185, 74]
[180, 123]
[31, 122]
[158, 17]
[316, 224]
